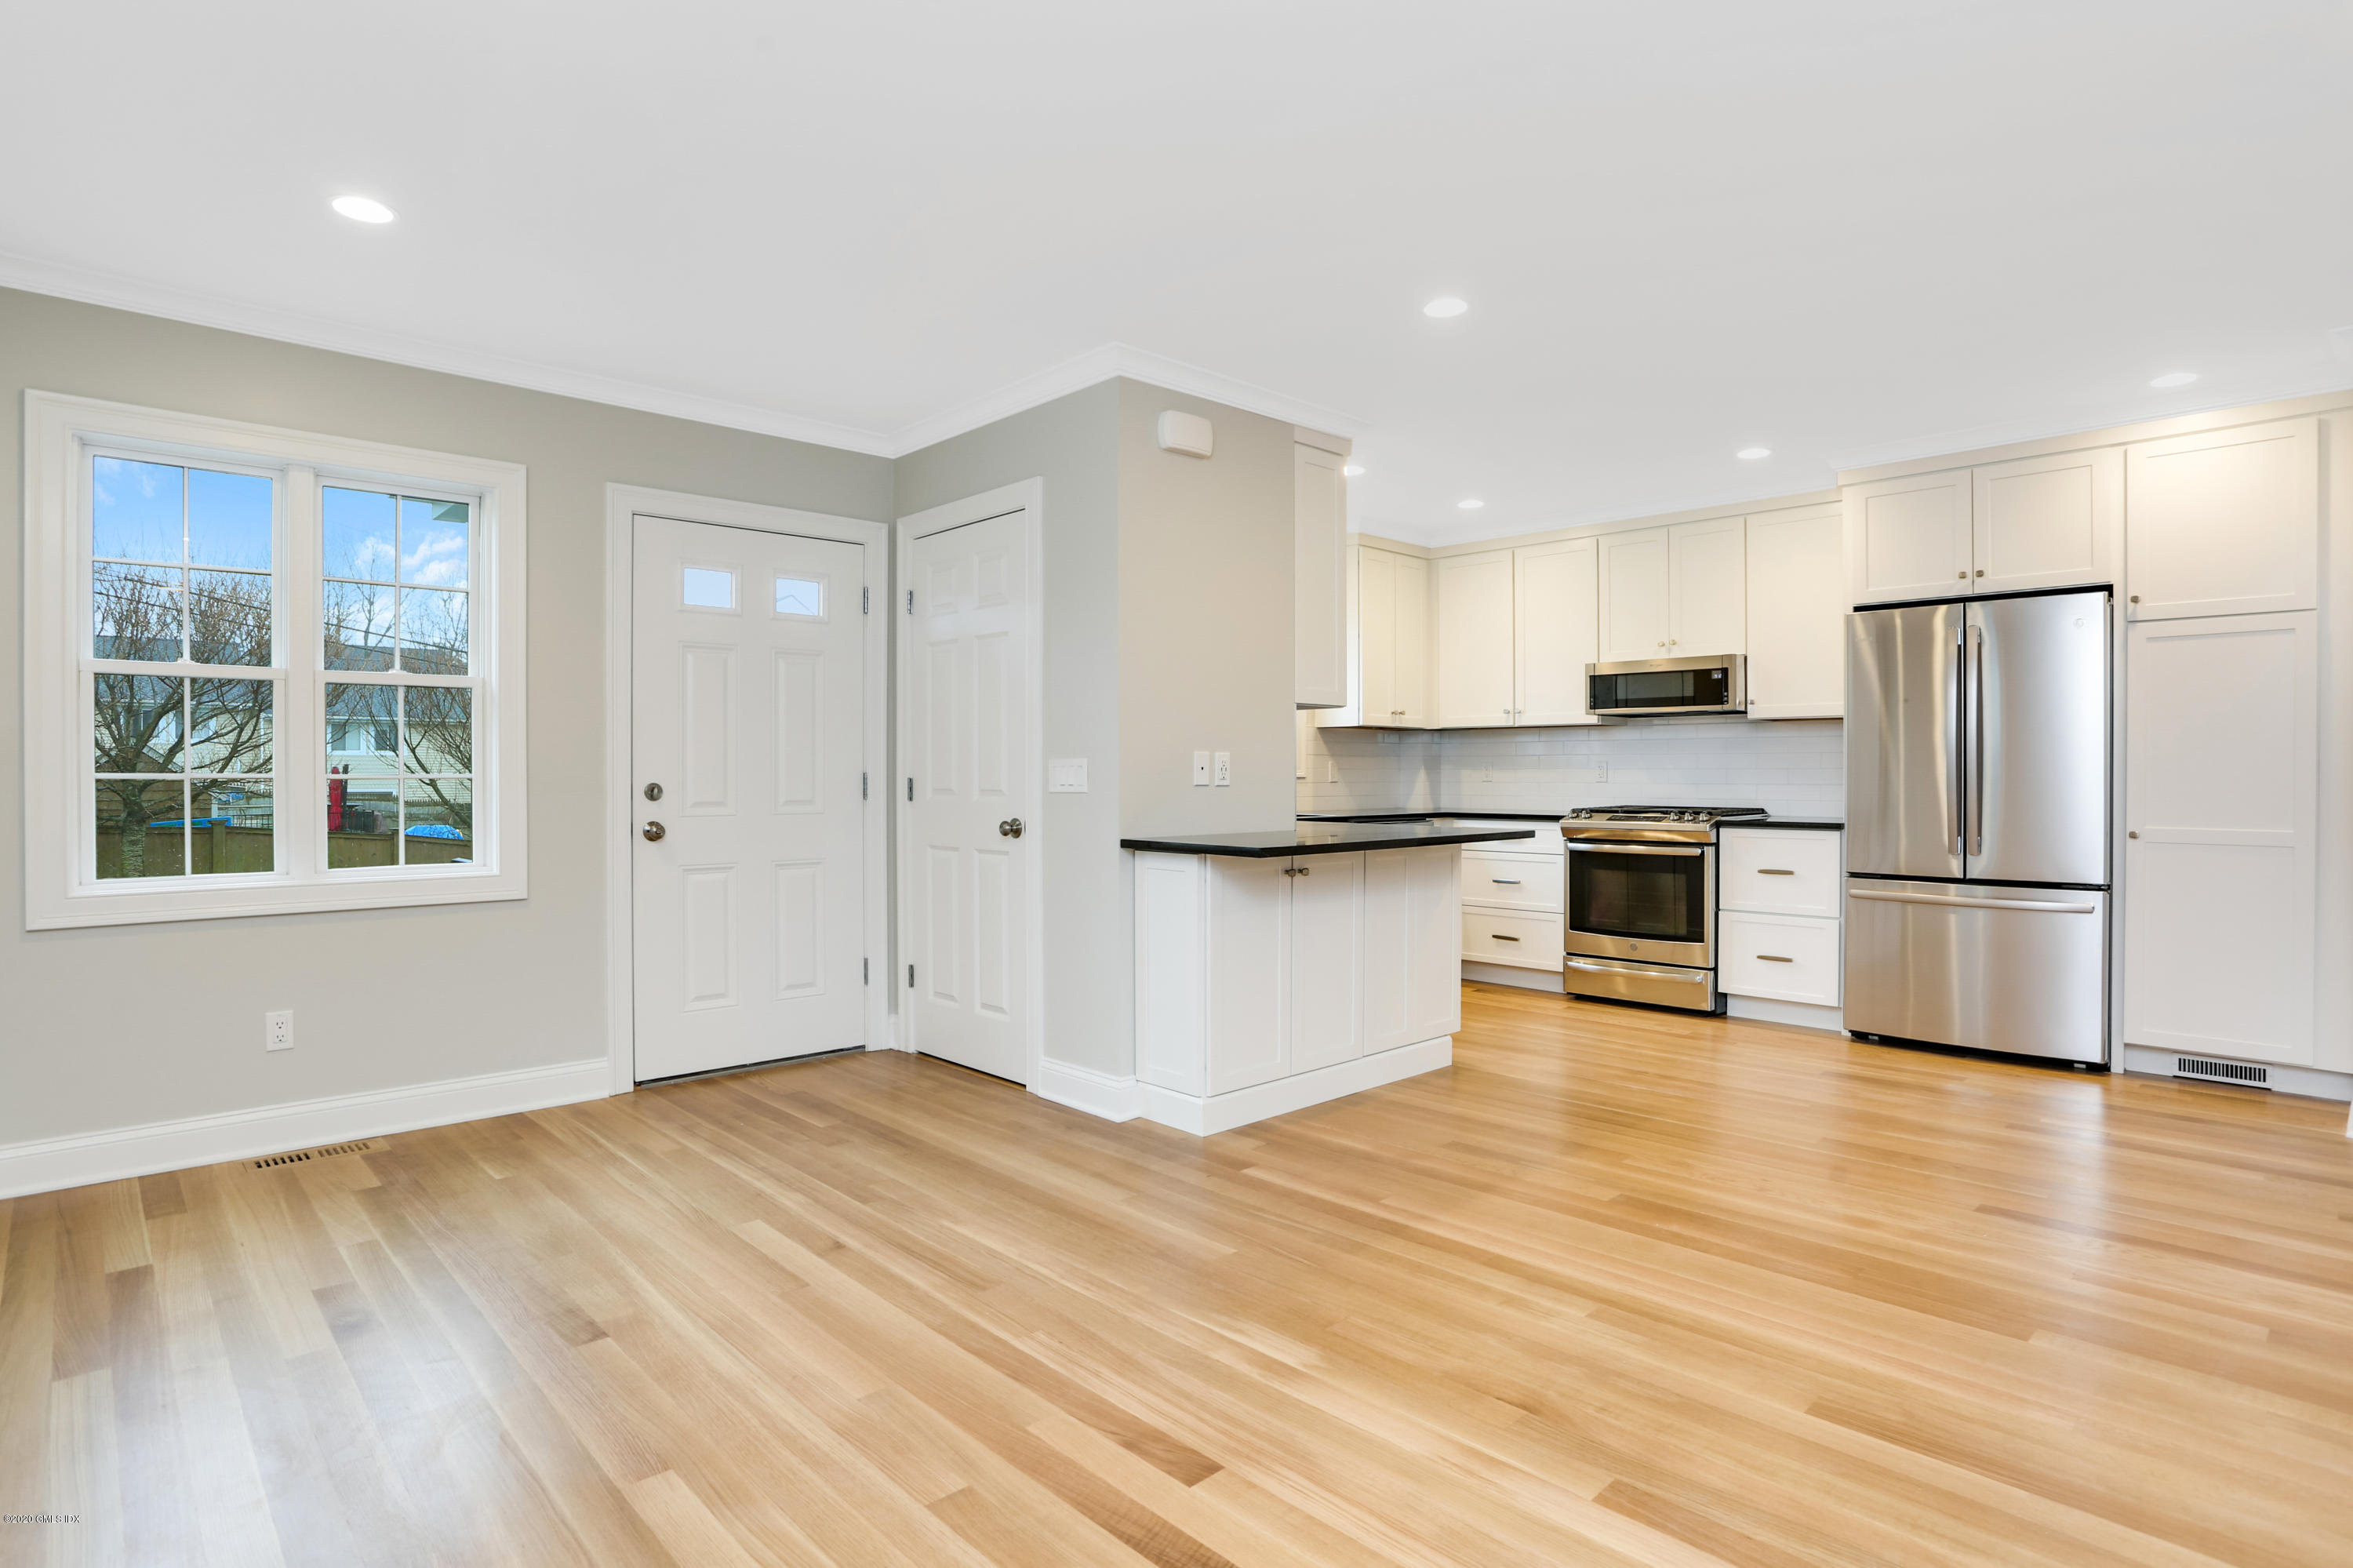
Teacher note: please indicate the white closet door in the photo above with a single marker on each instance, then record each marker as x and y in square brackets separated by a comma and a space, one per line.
[2221, 812]
[2226, 523]
[1474, 641]
[1556, 628]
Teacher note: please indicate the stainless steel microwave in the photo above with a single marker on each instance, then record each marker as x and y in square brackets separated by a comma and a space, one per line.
[1710, 683]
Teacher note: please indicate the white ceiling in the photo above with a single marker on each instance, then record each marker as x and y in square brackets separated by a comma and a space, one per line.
[1848, 232]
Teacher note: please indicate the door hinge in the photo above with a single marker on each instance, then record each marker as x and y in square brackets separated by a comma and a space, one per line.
[911, 788]
[911, 601]
[866, 971]
[861, 786]
[866, 601]
[911, 977]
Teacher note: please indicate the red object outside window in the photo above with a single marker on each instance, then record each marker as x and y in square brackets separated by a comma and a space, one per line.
[336, 788]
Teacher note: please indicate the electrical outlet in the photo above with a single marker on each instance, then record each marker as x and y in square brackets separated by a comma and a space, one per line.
[1066, 776]
[1331, 771]
[1225, 768]
[1602, 773]
[1200, 769]
[278, 1030]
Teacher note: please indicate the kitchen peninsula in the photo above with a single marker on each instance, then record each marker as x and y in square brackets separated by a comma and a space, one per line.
[1275, 971]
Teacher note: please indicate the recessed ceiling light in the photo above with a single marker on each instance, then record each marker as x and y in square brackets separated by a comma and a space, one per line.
[1354, 470]
[1750, 454]
[1470, 505]
[364, 209]
[2174, 379]
[1443, 306]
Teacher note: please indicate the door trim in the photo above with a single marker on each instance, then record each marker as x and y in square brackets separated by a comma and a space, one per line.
[1029, 497]
[623, 503]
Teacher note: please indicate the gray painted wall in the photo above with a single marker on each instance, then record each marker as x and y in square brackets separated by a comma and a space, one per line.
[122, 1025]
[1071, 444]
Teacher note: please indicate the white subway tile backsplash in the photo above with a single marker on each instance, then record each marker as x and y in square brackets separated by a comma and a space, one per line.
[1795, 767]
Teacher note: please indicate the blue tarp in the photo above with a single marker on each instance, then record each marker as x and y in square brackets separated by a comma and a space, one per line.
[435, 831]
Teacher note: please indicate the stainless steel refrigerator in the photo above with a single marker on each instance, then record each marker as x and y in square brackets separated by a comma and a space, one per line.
[1978, 826]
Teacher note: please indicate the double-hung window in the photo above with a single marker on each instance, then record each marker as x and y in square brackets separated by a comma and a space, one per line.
[266, 670]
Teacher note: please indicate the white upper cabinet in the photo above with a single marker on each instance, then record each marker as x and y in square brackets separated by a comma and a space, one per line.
[1389, 644]
[1909, 538]
[1797, 614]
[1557, 631]
[1707, 580]
[2048, 521]
[1320, 576]
[1637, 607]
[1474, 641]
[2225, 523]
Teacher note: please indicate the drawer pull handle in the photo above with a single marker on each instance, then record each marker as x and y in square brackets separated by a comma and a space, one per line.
[1499, 937]
[1504, 881]
[1767, 871]
[1776, 958]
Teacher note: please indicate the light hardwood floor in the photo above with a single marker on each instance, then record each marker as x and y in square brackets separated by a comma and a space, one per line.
[1620, 1288]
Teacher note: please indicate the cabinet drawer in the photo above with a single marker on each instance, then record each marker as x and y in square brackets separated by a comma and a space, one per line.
[1784, 956]
[1529, 881]
[1787, 873]
[1495, 937]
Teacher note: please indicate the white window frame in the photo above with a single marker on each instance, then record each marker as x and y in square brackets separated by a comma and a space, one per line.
[61, 436]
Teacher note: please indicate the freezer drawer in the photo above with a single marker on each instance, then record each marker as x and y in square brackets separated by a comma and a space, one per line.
[2021, 970]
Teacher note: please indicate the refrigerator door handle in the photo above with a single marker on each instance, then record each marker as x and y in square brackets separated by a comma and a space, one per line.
[2029, 905]
[1959, 750]
[1976, 740]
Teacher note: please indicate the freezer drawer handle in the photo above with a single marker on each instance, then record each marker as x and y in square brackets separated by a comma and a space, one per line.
[2025, 904]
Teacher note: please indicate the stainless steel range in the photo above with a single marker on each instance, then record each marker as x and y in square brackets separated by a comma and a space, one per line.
[1641, 902]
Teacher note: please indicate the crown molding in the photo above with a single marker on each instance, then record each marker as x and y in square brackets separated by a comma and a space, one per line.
[1103, 364]
[1095, 365]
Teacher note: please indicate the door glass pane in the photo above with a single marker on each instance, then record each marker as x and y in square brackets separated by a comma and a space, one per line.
[437, 827]
[231, 725]
[433, 542]
[800, 595]
[136, 722]
[137, 611]
[229, 617]
[142, 828]
[231, 826]
[704, 588]
[363, 821]
[135, 514]
[228, 520]
[358, 633]
[433, 632]
[356, 530]
[1638, 895]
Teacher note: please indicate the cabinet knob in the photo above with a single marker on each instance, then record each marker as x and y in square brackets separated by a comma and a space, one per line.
[2136, 598]
[2133, 833]
[1963, 576]
[1671, 643]
[1980, 571]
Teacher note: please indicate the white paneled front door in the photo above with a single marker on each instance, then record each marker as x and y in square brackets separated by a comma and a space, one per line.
[747, 750]
[967, 775]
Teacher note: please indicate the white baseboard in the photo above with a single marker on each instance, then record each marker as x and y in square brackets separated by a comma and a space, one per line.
[1083, 1089]
[2319, 1082]
[1770, 1009]
[1222, 1113]
[1512, 974]
[47, 1164]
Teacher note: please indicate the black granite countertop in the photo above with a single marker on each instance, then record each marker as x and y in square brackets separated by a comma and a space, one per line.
[1334, 837]
[1824, 824]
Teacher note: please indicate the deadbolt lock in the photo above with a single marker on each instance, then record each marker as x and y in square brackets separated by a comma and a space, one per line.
[653, 791]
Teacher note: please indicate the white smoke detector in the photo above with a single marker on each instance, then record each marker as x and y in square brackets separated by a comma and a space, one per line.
[1187, 433]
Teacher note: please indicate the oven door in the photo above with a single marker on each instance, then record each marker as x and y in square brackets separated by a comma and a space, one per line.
[1650, 902]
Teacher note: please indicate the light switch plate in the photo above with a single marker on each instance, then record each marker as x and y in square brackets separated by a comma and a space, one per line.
[1200, 769]
[1066, 776]
[1225, 768]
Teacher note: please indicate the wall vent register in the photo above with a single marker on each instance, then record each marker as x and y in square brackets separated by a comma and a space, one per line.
[2222, 1072]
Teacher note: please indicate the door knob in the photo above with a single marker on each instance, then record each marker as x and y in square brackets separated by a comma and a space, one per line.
[653, 791]
[1010, 827]
[654, 831]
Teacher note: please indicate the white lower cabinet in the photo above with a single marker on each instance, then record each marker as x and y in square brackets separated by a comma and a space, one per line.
[1511, 898]
[1777, 928]
[1263, 986]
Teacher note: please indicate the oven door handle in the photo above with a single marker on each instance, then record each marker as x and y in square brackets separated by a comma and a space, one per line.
[1585, 848]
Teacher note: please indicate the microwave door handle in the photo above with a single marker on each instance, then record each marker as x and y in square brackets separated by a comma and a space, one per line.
[1976, 740]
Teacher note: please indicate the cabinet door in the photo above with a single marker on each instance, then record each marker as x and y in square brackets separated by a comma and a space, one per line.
[1409, 653]
[1474, 640]
[1556, 629]
[1909, 538]
[2221, 785]
[1707, 579]
[1328, 959]
[1636, 608]
[2226, 522]
[2051, 521]
[1376, 636]
[1797, 615]
[1249, 1003]
[1320, 578]
[1413, 947]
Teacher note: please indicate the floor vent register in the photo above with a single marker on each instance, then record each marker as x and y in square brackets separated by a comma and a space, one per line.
[270, 1161]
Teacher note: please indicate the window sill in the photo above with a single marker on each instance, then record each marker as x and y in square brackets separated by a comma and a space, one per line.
[227, 900]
